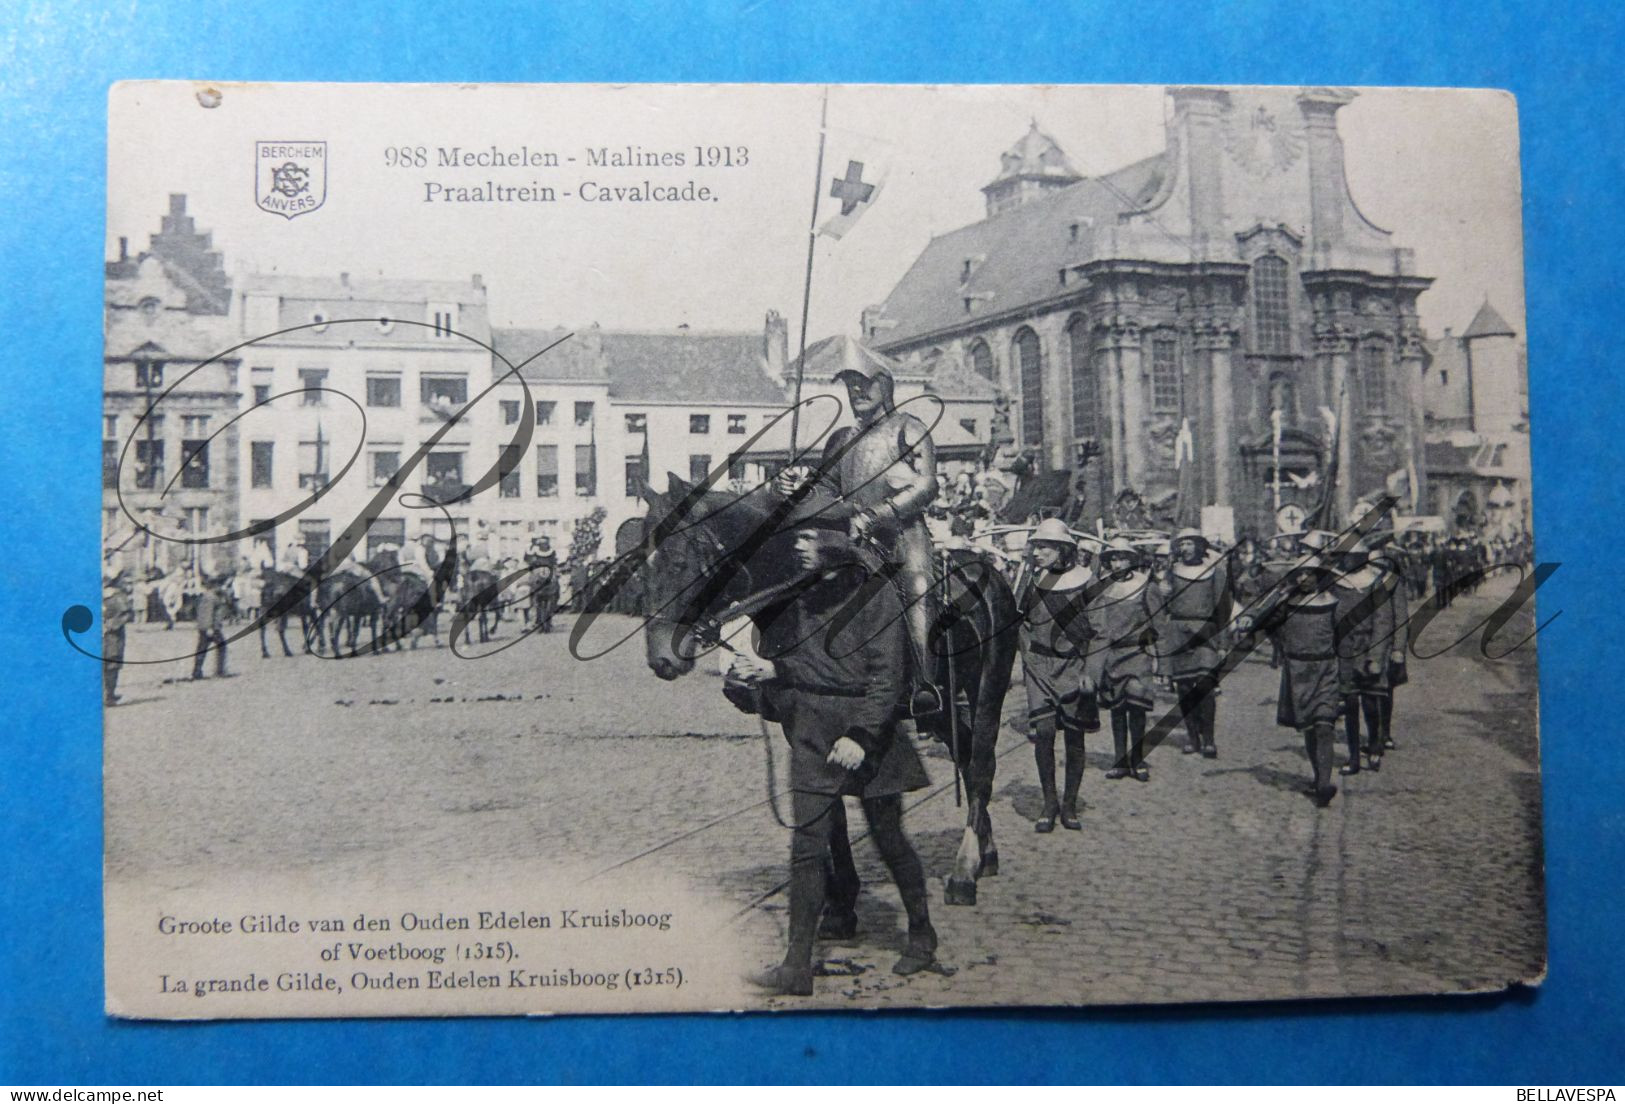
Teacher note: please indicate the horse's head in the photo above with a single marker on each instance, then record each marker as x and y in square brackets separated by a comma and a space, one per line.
[702, 551]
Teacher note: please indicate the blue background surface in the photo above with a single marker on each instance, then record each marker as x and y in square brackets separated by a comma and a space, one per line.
[56, 62]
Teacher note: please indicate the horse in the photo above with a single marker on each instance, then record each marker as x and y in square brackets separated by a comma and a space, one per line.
[712, 555]
[275, 588]
[480, 598]
[410, 609]
[345, 601]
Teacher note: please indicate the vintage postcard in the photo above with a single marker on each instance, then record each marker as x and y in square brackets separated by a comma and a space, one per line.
[656, 548]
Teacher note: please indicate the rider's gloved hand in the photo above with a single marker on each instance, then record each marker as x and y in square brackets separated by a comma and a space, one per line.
[793, 478]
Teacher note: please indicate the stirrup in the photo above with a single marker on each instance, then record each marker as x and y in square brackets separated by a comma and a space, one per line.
[925, 700]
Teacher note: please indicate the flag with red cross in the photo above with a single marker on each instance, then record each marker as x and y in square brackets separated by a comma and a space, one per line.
[854, 175]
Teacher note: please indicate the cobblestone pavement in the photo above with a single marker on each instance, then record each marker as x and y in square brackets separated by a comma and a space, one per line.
[1217, 880]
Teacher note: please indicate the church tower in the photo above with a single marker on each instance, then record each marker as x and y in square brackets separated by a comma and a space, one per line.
[1031, 169]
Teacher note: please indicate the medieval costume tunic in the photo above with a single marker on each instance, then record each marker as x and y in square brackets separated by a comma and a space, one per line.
[1370, 604]
[1196, 616]
[1197, 607]
[1120, 616]
[1054, 639]
[1366, 615]
[1304, 627]
[840, 653]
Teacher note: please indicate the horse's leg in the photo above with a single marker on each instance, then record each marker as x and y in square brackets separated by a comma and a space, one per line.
[987, 671]
[265, 652]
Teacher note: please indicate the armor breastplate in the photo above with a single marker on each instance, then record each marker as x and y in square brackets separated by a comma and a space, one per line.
[873, 467]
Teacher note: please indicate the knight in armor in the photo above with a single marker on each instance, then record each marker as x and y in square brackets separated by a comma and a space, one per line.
[884, 469]
[1368, 644]
[1054, 638]
[1119, 614]
[1196, 602]
[1300, 616]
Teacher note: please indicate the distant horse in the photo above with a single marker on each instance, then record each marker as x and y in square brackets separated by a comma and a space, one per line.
[714, 559]
[480, 601]
[278, 602]
[343, 602]
[410, 610]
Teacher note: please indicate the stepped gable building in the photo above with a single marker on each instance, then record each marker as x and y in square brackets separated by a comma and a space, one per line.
[1228, 278]
[164, 332]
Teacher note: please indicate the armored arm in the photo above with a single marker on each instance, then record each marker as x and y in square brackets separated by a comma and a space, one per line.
[912, 483]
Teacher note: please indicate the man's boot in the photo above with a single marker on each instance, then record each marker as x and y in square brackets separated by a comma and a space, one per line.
[1044, 755]
[1074, 778]
[1210, 722]
[1120, 764]
[1351, 734]
[1387, 718]
[1323, 737]
[1192, 710]
[1136, 729]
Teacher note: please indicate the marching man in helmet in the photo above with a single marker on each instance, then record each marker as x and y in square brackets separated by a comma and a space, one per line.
[1120, 614]
[885, 471]
[1054, 640]
[1196, 594]
[1368, 647]
[1301, 616]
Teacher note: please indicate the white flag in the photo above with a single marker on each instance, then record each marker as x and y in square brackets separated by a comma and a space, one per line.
[855, 168]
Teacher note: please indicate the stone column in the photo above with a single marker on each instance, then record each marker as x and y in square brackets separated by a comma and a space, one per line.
[1111, 401]
[1217, 338]
[1410, 369]
[1131, 381]
[1335, 344]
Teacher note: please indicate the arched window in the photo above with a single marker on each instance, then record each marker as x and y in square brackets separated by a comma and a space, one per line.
[981, 359]
[1165, 383]
[1085, 384]
[1029, 365]
[1284, 397]
[1272, 306]
[1374, 377]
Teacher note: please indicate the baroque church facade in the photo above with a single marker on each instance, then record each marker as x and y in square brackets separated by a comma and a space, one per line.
[1192, 327]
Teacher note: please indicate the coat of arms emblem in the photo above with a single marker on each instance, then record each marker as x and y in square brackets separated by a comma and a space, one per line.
[290, 178]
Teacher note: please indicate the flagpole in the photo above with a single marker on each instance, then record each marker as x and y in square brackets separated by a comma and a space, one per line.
[806, 288]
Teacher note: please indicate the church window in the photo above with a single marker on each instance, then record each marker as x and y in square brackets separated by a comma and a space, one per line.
[981, 359]
[1374, 377]
[1030, 366]
[1272, 307]
[1165, 374]
[1085, 381]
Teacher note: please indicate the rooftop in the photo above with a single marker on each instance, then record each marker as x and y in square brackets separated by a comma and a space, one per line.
[1012, 259]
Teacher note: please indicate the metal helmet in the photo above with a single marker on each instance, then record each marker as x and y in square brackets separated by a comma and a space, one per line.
[1053, 530]
[1188, 533]
[1120, 546]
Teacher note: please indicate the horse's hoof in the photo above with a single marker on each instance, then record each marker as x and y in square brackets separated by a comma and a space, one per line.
[990, 866]
[960, 891]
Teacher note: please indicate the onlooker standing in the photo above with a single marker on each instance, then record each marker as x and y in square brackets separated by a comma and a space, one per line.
[213, 604]
[117, 613]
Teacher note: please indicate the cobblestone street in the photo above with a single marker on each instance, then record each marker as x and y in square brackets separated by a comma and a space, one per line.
[1216, 880]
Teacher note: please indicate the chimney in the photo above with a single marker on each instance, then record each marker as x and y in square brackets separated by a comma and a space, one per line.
[344, 279]
[776, 345]
[478, 281]
[177, 203]
[124, 249]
